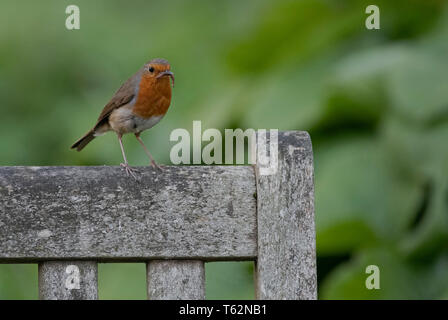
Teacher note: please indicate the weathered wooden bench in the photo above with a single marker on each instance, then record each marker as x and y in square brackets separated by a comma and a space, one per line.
[67, 219]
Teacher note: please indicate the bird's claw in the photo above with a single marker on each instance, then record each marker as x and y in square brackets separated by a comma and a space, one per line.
[156, 166]
[129, 170]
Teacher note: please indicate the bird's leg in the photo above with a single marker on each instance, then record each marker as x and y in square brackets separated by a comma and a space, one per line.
[153, 162]
[125, 165]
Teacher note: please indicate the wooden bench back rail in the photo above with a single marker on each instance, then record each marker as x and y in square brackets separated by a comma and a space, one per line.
[68, 219]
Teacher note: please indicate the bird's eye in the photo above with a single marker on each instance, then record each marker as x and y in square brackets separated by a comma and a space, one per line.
[151, 69]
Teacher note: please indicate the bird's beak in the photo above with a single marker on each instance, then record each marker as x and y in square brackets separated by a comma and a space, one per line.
[166, 73]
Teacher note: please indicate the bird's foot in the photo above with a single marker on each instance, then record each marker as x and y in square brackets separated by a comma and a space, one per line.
[129, 170]
[156, 166]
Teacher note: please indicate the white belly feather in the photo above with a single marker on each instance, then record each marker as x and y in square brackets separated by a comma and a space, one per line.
[123, 120]
[141, 124]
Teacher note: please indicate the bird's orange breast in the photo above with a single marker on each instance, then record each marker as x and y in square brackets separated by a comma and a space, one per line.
[154, 97]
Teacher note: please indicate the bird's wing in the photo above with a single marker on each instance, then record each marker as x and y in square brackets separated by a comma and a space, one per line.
[123, 96]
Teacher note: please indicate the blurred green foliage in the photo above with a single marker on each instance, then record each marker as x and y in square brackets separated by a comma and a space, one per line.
[374, 101]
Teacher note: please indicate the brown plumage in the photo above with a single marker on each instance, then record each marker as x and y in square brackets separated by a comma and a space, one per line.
[83, 141]
[138, 104]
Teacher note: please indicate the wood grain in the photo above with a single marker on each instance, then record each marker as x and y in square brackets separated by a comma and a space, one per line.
[175, 280]
[68, 280]
[286, 263]
[99, 213]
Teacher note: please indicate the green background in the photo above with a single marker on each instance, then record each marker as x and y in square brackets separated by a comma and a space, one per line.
[374, 101]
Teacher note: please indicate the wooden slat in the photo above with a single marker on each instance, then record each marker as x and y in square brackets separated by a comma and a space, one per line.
[68, 280]
[286, 262]
[99, 213]
[176, 280]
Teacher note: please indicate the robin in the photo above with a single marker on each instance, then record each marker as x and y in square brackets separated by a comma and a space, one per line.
[139, 104]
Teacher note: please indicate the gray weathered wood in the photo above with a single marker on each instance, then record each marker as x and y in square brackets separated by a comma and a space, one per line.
[68, 280]
[286, 262]
[191, 214]
[175, 280]
[99, 213]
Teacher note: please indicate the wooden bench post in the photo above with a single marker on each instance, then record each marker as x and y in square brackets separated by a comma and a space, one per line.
[175, 280]
[286, 257]
[68, 280]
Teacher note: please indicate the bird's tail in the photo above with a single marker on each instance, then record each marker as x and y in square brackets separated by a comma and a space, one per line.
[82, 142]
